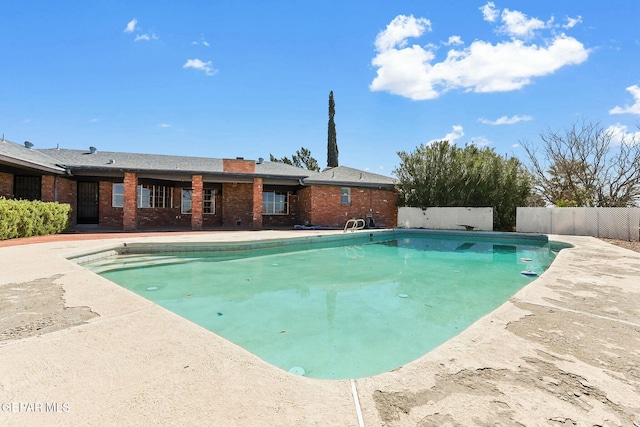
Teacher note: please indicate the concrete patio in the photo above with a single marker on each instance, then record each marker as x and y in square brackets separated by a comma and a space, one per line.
[565, 350]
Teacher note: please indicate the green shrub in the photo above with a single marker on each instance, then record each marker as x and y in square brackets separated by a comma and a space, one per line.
[25, 218]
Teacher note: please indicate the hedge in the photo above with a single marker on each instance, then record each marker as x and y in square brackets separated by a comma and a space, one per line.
[24, 218]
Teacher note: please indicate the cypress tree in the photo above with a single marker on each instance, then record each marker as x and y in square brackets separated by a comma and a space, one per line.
[332, 140]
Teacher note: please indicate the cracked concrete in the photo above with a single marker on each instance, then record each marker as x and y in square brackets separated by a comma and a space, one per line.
[36, 308]
[563, 351]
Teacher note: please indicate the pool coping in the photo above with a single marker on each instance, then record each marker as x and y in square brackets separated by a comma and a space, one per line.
[511, 366]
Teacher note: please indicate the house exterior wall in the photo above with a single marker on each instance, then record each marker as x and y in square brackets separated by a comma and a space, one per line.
[280, 221]
[130, 208]
[321, 205]
[53, 189]
[112, 217]
[6, 185]
[237, 205]
[66, 192]
[215, 219]
[47, 188]
[165, 217]
[109, 216]
[256, 203]
[196, 202]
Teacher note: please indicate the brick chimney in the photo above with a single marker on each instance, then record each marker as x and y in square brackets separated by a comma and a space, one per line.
[238, 165]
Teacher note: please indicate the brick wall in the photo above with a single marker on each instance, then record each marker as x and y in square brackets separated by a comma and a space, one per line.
[110, 217]
[214, 220]
[196, 203]
[257, 203]
[321, 205]
[130, 209]
[67, 193]
[238, 165]
[280, 221]
[47, 188]
[113, 217]
[6, 185]
[165, 217]
[237, 205]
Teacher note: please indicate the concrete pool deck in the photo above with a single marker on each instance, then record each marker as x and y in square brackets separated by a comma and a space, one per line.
[565, 350]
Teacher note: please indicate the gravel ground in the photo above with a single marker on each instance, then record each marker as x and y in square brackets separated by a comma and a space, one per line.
[634, 246]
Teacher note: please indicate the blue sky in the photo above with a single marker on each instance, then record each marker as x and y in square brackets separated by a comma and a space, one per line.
[252, 78]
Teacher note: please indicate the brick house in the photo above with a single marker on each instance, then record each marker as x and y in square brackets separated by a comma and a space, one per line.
[127, 191]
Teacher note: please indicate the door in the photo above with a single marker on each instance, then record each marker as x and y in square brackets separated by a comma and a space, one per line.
[87, 202]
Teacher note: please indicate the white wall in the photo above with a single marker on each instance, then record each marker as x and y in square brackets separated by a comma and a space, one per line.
[613, 223]
[446, 218]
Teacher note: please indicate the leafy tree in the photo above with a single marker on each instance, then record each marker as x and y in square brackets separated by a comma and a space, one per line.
[332, 139]
[441, 174]
[584, 166]
[301, 159]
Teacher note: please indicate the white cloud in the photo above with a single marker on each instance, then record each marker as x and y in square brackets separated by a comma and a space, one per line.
[620, 134]
[411, 70]
[456, 133]
[197, 64]
[164, 125]
[454, 41]
[572, 22]
[399, 30]
[489, 12]
[94, 120]
[145, 37]
[202, 42]
[633, 109]
[131, 26]
[480, 141]
[504, 120]
[517, 24]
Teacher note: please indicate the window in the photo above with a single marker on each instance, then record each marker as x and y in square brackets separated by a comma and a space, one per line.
[275, 203]
[144, 196]
[154, 196]
[345, 196]
[117, 195]
[186, 200]
[208, 201]
[27, 187]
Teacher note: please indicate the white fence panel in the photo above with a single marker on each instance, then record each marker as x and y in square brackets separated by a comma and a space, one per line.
[613, 223]
[446, 218]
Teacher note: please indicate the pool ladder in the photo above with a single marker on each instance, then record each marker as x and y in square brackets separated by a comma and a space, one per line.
[354, 224]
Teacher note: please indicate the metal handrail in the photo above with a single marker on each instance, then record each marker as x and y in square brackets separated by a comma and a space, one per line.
[356, 224]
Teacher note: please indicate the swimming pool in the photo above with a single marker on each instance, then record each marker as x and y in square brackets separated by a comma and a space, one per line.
[334, 306]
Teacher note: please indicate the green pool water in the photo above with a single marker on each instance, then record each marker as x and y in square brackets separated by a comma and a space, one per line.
[342, 311]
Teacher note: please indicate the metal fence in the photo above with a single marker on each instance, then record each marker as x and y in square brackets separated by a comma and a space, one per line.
[612, 223]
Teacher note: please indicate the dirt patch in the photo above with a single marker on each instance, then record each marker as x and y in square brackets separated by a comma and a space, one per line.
[36, 308]
[634, 246]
